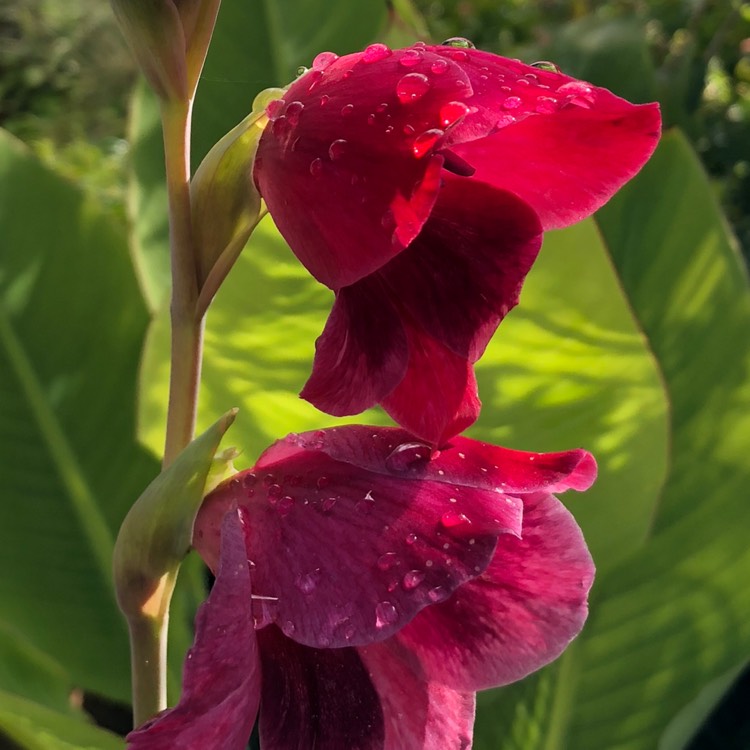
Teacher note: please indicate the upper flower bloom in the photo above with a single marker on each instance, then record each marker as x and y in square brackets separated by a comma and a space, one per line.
[416, 183]
[384, 585]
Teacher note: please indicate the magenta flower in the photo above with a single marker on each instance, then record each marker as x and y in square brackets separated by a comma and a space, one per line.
[415, 184]
[389, 584]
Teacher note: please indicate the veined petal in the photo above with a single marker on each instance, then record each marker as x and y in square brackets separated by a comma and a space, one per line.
[316, 698]
[519, 615]
[343, 140]
[347, 556]
[362, 354]
[418, 712]
[437, 398]
[462, 461]
[221, 682]
[464, 272]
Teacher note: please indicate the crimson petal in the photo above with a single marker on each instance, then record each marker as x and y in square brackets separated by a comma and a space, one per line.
[464, 272]
[221, 683]
[343, 141]
[347, 556]
[362, 353]
[519, 614]
[418, 713]
[316, 698]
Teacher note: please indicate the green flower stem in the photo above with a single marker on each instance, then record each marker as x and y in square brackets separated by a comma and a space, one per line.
[148, 653]
[148, 626]
[187, 332]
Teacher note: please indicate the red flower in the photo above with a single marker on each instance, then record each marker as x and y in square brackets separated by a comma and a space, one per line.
[415, 184]
[388, 586]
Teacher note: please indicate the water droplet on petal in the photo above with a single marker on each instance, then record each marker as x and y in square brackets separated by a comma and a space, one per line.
[316, 167]
[425, 141]
[385, 614]
[249, 479]
[323, 60]
[546, 105]
[452, 112]
[382, 107]
[274, 492]
[452, 518]
[411, 87]
[409, 130]
[371, 118]
[301, 70]
[324, 100]
[410, 57]
[273, 108]
[438, 594]
[407, 456]
[412, 579]
[512, 102]
[293, 112]
[577, 93]
[347, 109]
[285, 505]
[288, 628]
[458, 41]
[439, 67]
[546, 65]
[411, 538]
[280, 126]
[375, 52]
[327, 504]
[337, 149]
[308, 582]
[388, 560]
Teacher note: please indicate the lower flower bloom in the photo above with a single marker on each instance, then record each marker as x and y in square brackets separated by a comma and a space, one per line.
[367, 586]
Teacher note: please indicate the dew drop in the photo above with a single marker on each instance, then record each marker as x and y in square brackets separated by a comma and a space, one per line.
[451, 519]
[411, 538]
[388, 560]
[407, 456]
[409, 130]
[280, 126]
[308, 582]
[371, 118]
[389, 129]
[385, 614]
[578, 93]
[546, 105]
[249, 480]
[324, 100]
[452, 112]
[288, 628]
[546, 65]
[425, 141]
[323, 60]
[439, 67]
[411, 87]
[285, 505]
[301, 70]
[316, 167]
[458, 41]
[337, 149]
[412, 579]
[512, 102]
[375, 53]
[410, 58]
[438, 594]
[322, 482]
[274, 492]
[327, 504]
[293, 112]
[347, 109]
[382, 107]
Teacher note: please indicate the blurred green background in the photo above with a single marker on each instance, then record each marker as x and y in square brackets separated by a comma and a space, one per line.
[646, 363]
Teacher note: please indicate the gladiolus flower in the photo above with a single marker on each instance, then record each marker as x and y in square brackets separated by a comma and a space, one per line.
[384, 585]
[416, 184]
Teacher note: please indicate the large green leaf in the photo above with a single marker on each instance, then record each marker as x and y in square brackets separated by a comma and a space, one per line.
[35, 727]
[255, 45]
[675, 614]
[72, 323]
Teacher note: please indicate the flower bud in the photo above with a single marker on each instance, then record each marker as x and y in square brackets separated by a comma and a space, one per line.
[156, 534]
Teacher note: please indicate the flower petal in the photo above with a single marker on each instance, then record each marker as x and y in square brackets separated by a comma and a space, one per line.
[221, 683]
[464, 271]
[465, 462]
[316, 698]
[346, 556]
[361, 355]
[519, 615]
[418, 713]
[437, 398]
[343, 141]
